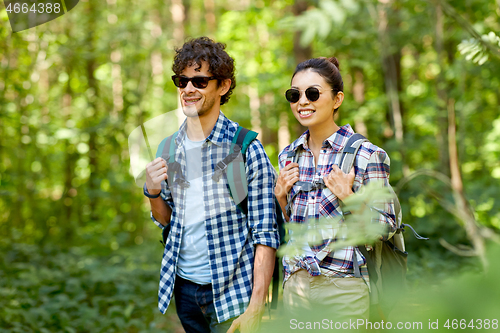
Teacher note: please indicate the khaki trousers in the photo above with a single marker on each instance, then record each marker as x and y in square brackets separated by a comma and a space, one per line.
[319, 297]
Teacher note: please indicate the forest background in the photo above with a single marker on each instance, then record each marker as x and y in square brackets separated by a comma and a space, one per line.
[78, 250]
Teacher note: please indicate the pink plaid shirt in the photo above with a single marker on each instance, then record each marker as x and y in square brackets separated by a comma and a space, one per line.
[371, 163]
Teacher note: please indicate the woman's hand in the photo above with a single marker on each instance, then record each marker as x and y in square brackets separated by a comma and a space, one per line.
[340, 183]
[288, 176]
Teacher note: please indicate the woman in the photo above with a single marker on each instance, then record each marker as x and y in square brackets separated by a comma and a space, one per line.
[321, 277]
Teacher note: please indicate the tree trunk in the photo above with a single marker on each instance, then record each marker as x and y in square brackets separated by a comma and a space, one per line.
[301, 53]
[253, 97]
[442, 116]
[391, 65]
[92, 83]
[210, 16]
[66, 201]
[178, 17]
[461, 203]
[358, 91]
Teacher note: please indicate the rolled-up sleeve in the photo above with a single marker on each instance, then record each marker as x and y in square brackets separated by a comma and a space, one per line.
[166, 195]
[378, 169]
[261, 178]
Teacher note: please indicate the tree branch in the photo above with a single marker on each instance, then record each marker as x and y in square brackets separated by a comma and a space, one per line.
[451, 12]
[461, 252]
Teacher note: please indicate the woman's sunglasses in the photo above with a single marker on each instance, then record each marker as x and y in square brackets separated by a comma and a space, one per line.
[293, 95]
[199, 82]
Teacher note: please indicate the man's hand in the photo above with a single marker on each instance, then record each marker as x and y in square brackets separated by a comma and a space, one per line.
[249, 321]
[288, 176]
[156, 172]
[340, 183]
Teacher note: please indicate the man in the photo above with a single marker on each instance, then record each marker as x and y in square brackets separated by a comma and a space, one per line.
[218, 262]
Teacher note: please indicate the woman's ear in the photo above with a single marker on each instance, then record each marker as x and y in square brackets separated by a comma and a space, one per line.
[339, 98]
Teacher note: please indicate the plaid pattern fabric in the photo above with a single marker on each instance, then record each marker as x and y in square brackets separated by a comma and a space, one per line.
[371, 163]
[231, 235]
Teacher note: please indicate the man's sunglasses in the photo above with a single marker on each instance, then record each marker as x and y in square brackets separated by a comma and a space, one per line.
[312, 94]
[199, 82]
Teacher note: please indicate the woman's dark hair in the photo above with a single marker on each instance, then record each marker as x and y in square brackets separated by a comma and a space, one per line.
[220, 64]
[328, 68]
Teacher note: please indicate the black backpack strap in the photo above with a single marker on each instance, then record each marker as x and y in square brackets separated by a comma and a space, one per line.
[167, 152]
[417, 236]
[174, 167]
[280, 220]
[369, 263]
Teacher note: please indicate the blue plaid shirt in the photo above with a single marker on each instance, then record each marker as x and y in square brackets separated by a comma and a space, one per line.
[231, 235]
[371, 163]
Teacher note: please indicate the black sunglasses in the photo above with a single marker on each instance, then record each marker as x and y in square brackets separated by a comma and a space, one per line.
[312, 94]
[199, 82]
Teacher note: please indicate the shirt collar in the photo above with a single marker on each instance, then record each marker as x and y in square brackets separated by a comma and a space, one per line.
[336, 141]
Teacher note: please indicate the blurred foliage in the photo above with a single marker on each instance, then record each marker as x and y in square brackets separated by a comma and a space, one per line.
[82, 289]
[73, 89]
[467, 302]
[356, 229]
[474, 50]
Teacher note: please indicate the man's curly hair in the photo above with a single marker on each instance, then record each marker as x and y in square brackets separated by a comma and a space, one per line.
[196, 50]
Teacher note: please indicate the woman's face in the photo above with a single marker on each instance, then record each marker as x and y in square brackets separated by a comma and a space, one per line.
[319, 112]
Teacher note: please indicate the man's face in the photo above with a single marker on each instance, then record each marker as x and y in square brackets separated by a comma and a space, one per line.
[197, 102]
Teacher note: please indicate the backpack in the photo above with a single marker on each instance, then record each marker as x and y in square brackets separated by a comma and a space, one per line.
[387, 261]
[236, 178]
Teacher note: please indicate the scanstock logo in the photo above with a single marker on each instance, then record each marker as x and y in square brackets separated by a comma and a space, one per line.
[26, 14]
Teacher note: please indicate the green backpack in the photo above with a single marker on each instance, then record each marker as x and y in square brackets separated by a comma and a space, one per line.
[236, 178]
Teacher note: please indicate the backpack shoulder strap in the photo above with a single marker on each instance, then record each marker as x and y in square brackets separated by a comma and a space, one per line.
[293, 156]
[236, 173]
[347, 158]
[166, 148]
[349, 152]
[243, 138]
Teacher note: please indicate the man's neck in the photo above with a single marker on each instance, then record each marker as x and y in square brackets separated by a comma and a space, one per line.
[199, 128]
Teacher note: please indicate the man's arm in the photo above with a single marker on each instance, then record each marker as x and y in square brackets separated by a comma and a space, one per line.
[263, 269]
[261, 219]
[160, 210]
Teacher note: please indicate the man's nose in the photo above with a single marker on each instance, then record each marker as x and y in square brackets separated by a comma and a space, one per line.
[189, 88]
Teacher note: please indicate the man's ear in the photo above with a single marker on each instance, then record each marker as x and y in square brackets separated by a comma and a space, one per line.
[339, 98]
[225, 85]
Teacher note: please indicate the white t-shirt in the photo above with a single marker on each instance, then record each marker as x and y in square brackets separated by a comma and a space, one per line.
[193, 263]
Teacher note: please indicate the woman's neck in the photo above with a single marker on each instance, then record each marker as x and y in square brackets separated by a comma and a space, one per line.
[318, 134]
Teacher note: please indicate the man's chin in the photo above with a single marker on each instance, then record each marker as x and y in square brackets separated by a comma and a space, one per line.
[190, 111]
